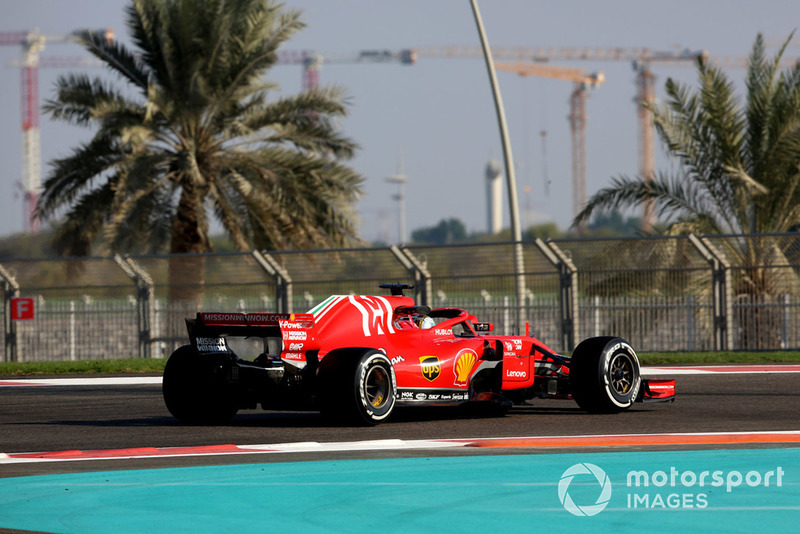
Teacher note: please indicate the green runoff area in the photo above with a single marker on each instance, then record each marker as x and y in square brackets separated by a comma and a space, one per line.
[153, 365]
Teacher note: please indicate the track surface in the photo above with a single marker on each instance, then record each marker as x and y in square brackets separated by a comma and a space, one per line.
[41, 418]
[513, 488]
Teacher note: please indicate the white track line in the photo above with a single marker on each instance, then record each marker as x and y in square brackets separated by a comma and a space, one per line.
[721, 369]
[646, 371]
[89, 381]
[663, 439]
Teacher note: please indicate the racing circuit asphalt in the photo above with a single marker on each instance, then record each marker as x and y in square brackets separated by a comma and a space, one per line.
[41, 418]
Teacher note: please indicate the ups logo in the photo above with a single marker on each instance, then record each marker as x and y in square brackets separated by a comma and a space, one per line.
[430, 367]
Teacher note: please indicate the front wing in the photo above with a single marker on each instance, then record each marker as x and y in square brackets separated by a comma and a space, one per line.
[657, 390]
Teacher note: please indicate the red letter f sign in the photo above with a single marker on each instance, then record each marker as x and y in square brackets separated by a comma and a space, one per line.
[21, 309]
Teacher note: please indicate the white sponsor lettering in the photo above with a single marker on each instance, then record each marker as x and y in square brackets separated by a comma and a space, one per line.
[211, 344]
[296, 346]
[516, 374]
[265, 318]
[442, 332]
[227, 317]
[292, 356]
[295, 336]
[397, 359]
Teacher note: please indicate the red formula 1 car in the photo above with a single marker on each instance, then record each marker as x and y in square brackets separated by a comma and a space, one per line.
[358, 357]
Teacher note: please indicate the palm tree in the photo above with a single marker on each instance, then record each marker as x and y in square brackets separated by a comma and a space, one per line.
[739, 167]
[739, 164]
[192, 134]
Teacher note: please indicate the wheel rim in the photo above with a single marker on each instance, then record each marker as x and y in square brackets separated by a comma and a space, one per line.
[377, 386]
[621, 374]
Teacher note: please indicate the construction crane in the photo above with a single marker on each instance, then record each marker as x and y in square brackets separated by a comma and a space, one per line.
[645, 96]
[642, 60]
[312, 61]
[577, 115]
[32, 43]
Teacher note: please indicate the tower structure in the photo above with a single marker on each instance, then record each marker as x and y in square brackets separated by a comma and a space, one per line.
[494, 197]
[400, 179]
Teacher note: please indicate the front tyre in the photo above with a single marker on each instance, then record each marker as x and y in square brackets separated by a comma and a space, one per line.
[604, 375]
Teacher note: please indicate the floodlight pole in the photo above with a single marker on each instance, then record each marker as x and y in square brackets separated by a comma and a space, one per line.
[516, 233]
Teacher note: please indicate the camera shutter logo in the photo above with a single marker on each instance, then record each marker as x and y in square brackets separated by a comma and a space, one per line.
[587, 509]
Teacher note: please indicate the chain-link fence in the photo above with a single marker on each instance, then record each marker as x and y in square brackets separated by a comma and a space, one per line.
[660, 293]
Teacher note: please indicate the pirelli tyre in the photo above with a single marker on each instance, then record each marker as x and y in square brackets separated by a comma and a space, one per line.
[357, 386]
[194, 389]
[604, 375]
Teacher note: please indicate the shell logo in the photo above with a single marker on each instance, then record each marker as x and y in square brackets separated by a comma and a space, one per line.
[462, 366]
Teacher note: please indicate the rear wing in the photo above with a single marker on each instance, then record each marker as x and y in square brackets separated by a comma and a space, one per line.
[245, 324]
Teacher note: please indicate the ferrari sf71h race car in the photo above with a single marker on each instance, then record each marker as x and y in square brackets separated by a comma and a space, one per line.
[356, 358]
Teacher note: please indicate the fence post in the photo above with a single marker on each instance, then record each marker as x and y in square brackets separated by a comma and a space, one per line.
[72, 355]
[720, 290]
[422, 277]
[691, 332]
[10, 290]
[283, 282]
[145, 302]
[785, 331]
[568, 293]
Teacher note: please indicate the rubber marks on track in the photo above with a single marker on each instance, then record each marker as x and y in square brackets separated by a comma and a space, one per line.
[611, 440]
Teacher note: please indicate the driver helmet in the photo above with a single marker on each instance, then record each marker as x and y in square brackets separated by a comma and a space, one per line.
[424, 322]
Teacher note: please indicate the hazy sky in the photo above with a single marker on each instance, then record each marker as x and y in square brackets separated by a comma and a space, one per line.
[439, 113]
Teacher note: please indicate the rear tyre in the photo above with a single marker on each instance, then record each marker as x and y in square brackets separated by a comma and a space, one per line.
[358, 387]
[194, 388]
[604, 375]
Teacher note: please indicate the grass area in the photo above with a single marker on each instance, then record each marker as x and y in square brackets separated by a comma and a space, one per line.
[123, 366]
[138, 365]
